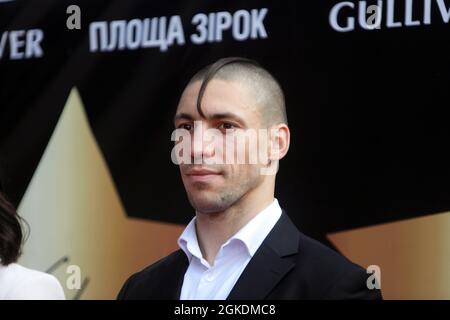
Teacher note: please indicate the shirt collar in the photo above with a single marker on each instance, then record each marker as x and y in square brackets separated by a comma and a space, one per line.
[188, 241]
[251, 235]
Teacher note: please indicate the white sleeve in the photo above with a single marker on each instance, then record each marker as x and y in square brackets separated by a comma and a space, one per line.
[40, 287]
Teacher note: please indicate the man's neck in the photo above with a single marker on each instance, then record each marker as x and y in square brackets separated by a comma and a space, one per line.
[214, 229]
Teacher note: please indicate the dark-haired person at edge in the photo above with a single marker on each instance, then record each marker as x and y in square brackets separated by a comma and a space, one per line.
[241, 244]
[16, 281]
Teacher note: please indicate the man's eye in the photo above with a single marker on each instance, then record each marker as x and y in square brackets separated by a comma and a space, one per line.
[226, 126]
[186, 126]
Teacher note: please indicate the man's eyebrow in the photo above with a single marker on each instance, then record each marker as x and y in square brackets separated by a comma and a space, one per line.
[183, 115]
[216, 116]
[227, 115]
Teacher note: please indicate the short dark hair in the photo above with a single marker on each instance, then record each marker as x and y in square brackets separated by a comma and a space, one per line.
[241, 69]
[11, 236]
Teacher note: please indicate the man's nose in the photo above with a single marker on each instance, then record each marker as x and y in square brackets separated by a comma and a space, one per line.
[202, 143]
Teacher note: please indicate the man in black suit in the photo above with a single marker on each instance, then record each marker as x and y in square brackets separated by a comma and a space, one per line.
[240, 244]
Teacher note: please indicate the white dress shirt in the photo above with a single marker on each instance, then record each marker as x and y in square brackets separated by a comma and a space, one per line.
[205, 282]
[20, 283]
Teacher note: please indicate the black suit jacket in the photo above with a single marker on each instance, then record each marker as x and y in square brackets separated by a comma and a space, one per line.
[287, 265]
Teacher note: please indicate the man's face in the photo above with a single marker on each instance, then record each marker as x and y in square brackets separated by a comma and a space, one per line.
[229, 108]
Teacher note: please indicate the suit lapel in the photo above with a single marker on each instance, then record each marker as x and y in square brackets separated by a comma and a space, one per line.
[173, 277]
[269, 264]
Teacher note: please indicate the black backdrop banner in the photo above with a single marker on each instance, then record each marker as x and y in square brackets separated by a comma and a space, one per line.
[367, 106]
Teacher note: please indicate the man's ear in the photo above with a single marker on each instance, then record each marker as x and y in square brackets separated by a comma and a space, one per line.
[280, 137]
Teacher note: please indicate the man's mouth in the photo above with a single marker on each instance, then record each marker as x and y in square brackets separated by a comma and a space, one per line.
[202, 174]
